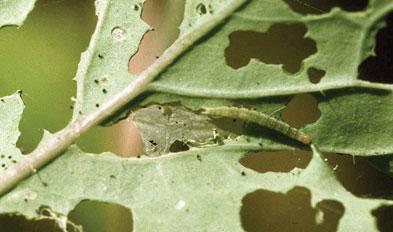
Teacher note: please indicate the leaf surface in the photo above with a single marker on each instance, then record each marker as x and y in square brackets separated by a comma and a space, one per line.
[165, 197]
[14, 12]
[338, 51]
[167, 193]
[350, 119]
[11, 109]
[103, 69]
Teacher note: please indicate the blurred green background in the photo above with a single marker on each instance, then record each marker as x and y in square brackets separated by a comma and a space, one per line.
[40, 58]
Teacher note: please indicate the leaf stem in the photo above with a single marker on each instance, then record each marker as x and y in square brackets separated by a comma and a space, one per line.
[53, 146]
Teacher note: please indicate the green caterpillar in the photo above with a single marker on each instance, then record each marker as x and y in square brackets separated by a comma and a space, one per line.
[259, 118]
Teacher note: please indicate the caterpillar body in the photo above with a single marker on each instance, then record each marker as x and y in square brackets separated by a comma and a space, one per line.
[259, 118]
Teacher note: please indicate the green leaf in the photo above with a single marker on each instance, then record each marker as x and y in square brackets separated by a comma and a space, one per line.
[353, 121]
[350, 120]
[162, 127]
[342, 41]
[103, 69]
[11, 109]
[168, 193]
[14, 12]
[165, 197]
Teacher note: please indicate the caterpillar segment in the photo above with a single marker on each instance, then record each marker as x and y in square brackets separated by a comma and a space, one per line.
[259, 118]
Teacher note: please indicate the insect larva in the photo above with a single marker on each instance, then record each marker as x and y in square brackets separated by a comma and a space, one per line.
[259, 118]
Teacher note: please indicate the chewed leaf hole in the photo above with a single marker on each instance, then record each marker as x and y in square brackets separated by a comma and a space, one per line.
[315, 75]
[379, 68]
[48, 86]
[178, 146]
[276, 161]
[18, 223]
[301, 110]
[164, 20]
[384, 218]
[96, 216]
[201, 9]
[264, 210]
[324, 6]
[283, 44]
[122, 139]
[359, 177]
[180, 128]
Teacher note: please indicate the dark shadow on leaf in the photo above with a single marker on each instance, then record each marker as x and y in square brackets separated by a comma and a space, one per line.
[330, 94]
[231, 125]
[276, 161]
[96, 216]
[324, 6]
[255, 130]
[264, 210]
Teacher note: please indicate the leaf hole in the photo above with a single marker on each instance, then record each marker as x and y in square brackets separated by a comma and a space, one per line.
[379, 68]
[10, 222]
[264, 210]
[121, 138]
[359, 177]
[201, 9]
[324, 6]
[276, 161]
[97, 216]
[165, 18]
[301, 110]
[48, 86]
[315, 75]
[384, 218]
[283, 44]
[178, 146]
[176, 122]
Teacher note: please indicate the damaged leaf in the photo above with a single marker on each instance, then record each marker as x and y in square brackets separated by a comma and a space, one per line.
[14, 12]
[11, 109]
[153, 187]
